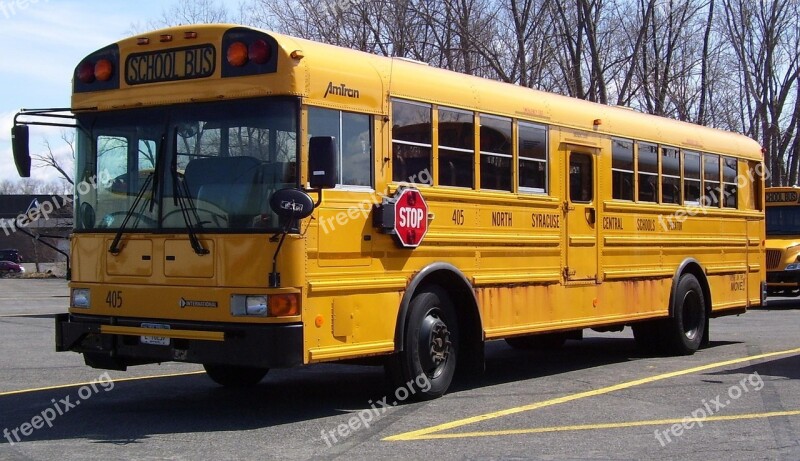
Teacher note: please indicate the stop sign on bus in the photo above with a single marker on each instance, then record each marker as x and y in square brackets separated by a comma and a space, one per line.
[411, 218]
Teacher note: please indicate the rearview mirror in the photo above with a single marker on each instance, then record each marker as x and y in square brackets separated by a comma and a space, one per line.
[323, 162]
[20, 136]
[291, 204]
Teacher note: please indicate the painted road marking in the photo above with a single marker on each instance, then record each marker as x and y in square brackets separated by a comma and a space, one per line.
[423, 434]
[587, 427]
[120, 380]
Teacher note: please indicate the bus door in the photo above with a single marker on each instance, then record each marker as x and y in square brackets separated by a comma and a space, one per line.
[581, 218]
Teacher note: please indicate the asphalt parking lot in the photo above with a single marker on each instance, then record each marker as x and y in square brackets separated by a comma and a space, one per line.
[599, 398]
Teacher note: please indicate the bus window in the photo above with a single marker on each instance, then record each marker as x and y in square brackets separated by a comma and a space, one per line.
[532, 158]
[730, 183]
[411, 142]
[496, 155]
[355, 142]
[456, 148]
[711, 180]
[670, 175]
[581, 184]
[691, 178]
[622, 169]
[648, 172]
[754, 186]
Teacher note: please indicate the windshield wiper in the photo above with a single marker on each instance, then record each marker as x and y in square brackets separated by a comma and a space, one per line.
[152, 178]
[183, 198]
[115, 249]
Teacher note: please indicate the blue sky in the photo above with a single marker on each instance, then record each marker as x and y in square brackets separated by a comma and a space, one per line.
[41, 42]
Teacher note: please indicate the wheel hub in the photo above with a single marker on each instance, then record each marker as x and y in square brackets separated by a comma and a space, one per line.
[434, 344]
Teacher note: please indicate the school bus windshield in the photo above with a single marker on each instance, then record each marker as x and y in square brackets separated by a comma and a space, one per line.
[222, 159]
[783, 220]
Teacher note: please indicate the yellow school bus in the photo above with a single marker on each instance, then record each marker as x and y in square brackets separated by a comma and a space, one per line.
[783, 240]
[247, 200]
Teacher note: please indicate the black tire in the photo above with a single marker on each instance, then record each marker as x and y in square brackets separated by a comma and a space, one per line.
[234, 376]
[683, 333]
[548, 341]
[428, 360]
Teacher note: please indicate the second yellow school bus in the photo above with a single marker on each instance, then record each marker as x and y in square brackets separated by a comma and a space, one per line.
[783, 240]
[249, 200]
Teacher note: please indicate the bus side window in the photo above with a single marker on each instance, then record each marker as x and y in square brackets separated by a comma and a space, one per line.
[412, 135]
[648, 172]
[354, 136]
[456, 148]
[622, 169]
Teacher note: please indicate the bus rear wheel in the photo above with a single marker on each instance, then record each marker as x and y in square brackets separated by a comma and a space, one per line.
[684, 331]
[235, 376]
[427, 363]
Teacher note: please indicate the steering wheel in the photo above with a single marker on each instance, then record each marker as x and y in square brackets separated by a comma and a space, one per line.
[110, 220]
[219, 219]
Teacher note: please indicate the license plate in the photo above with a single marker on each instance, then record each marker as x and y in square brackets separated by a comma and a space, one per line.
[155, 340]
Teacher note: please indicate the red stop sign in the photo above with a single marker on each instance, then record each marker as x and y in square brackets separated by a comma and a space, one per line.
[410, 218]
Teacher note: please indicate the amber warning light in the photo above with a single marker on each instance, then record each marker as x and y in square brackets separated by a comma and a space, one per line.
[248, 52]
[98, 71]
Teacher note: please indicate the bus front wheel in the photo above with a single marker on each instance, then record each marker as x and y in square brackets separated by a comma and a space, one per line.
[683, 332]
[233, 376]
[426, 366]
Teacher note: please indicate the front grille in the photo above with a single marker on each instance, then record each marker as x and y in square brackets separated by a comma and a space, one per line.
[774, 259]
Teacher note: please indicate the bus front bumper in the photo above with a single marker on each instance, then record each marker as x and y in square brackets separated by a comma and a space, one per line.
[116, 343]
[783, 280]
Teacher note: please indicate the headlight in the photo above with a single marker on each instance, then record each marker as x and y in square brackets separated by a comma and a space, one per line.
[81, 298]
[793, 267]
[256, 305]
[244, 305]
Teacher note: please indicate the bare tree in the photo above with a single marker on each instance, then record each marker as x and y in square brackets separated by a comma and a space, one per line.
[765, 38]
[48, 159]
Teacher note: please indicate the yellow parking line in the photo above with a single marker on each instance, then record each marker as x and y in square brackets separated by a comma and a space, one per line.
[587, 427]
[119, 380]
[424, 433]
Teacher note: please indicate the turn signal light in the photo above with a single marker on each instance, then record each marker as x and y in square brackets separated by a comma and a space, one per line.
[284, 305]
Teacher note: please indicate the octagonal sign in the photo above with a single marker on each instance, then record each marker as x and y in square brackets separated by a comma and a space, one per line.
[410, 218]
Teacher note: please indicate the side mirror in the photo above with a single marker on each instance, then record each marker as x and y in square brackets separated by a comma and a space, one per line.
[291, 204]
[323, 162]
[20, 138]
